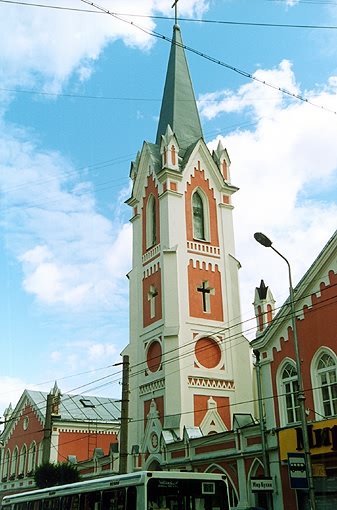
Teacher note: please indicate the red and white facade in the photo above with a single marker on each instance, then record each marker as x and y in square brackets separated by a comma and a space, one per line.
[316, 322]
[190, 363]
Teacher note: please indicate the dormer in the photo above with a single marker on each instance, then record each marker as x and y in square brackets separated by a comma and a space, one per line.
[221, 158]
[169, 150]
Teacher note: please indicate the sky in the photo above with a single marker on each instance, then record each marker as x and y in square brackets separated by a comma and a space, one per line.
[80, 90]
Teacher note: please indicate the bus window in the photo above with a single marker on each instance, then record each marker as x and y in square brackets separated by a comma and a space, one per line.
[69, 502]
[114, 500]
[20, 506]
[91, 501]
[51, 504]
[34, 505]
[131, 498]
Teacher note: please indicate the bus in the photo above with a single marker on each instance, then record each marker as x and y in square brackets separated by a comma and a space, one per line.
[143, 490]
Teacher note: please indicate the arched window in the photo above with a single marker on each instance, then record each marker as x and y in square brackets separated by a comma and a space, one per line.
[31, 457]
[198, 216]
[327, 380]
[5, 472]
[23, 459]
[151, 222]
[14, 466]
[288, 391]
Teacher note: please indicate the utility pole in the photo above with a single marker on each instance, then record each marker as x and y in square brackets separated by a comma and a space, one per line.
[47, 430]
[123, 443]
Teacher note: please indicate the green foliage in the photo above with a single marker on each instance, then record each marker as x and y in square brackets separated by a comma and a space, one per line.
[68, 473]
[46, 475]
[49, 474]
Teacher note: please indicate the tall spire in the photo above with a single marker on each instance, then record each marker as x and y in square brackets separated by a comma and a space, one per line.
[179, 108]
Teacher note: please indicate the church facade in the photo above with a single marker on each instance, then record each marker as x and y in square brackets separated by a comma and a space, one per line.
[191, 370]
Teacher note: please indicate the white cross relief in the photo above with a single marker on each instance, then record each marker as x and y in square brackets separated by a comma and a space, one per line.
[152, 298]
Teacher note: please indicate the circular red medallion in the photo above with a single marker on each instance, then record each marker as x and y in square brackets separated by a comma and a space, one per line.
[207, 352]
[154, 356]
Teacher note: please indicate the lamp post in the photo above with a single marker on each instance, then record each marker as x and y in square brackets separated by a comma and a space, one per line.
[266, 468]
[265, 241]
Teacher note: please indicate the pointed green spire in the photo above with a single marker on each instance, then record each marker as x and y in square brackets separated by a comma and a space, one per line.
[179, 107]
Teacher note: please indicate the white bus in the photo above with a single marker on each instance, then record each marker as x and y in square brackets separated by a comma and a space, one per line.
[144, 490]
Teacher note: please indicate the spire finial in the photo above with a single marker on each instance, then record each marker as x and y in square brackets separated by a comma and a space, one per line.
[175, 11]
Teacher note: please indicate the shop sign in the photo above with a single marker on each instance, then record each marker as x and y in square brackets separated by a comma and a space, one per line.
[262, 484]
[322, 438]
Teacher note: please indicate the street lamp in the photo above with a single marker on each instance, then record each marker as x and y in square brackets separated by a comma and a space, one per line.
[265, 241]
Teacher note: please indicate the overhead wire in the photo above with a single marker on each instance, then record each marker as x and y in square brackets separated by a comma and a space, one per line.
[237, 70]
[251, 76]
[204, 55]
[211, 334]
[140, 365]
[181, 18]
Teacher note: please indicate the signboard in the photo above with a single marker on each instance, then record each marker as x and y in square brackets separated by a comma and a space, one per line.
[262, 484]
[322, 438]
[297, 471]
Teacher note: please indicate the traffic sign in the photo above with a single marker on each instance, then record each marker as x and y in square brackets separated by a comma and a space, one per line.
[297, 471]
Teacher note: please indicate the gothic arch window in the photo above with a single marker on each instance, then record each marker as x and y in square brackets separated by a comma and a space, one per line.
[5, 472]
[151, 222]
[14, 466]
[324, 372]
[200, 216]
[23, 460]
[287, 386]
[232, 490]
[31, 457]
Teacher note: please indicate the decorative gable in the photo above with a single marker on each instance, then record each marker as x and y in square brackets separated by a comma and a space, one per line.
[212, 422]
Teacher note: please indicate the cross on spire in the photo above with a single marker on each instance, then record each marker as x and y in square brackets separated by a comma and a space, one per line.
[175, 11]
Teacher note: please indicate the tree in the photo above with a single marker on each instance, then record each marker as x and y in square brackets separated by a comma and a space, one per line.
[49, 474]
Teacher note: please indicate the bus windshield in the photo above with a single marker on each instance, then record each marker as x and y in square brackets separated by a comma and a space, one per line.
[168, 494]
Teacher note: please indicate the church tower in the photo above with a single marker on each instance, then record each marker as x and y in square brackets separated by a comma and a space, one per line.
[190, 365]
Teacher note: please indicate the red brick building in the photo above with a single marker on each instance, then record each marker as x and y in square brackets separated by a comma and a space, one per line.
[315, 300]
[57, 428]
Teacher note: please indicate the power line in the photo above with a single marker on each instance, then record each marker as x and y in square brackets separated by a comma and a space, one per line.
[276, 320]
[241, 72]
[187, 20]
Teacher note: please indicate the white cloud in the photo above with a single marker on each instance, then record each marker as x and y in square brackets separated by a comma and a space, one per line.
[11, 391]
[74, 263]
[286, 168]
[77, 356]
[45, 45]
[262, 99]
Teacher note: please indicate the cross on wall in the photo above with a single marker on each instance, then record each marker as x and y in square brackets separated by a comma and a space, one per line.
[153, 292]
[206, 291]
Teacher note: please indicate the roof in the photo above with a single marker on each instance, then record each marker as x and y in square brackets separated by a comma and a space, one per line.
[179, 108]
[77, 407]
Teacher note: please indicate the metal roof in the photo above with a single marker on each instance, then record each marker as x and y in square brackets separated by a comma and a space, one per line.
[179, 108]
[78, 407]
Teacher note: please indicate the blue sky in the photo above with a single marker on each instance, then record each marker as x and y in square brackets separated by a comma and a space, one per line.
[80, 91]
